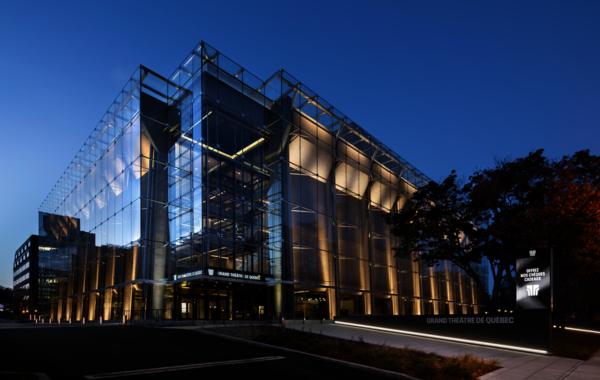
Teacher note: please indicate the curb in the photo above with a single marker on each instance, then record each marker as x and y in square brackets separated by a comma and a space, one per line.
[40, 375]
[376, 371]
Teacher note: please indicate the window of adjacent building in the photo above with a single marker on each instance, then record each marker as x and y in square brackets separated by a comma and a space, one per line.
[22, 278]
[18, 271]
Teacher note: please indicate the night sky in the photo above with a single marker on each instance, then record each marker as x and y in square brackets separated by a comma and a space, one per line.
[447, 85]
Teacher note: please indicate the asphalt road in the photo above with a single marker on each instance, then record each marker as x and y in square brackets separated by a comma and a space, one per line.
[85, 352]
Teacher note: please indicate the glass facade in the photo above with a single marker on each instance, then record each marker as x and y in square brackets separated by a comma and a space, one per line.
[213, 194]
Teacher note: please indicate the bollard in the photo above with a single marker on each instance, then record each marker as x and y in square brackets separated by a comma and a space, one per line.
[50, 320]
[69, 320]
[59, 321]
[83, 320]
[100, 320]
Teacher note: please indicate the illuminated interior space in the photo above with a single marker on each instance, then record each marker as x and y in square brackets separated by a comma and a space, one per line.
[212, 194]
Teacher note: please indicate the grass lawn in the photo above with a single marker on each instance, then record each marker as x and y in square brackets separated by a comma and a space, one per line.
[574, 344]
[408, 361]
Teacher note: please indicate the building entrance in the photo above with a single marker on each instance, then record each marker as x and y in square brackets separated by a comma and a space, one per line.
[214, 300]
[253, 302]
[218, 305]
[187, 308]
[311, 304]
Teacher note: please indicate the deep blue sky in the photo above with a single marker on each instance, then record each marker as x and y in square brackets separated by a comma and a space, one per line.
[447, 85]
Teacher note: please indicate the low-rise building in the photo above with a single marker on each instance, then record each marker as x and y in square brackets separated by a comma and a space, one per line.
[25, 278]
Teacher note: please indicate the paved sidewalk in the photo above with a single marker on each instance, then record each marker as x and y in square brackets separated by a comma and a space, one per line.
[587, 370]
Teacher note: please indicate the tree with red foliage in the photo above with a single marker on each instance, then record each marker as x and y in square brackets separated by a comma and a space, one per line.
[533, 202]
[565, 215]
[520, 204]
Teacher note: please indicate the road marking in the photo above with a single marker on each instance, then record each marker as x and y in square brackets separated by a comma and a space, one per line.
[180, 367]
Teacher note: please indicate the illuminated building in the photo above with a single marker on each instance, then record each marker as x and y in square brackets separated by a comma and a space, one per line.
[213, 194]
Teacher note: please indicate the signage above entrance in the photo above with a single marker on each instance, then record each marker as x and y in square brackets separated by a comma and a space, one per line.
[227, 273]
[239, 275]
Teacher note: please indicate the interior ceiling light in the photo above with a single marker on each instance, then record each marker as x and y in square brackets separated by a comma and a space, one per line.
[239, 153]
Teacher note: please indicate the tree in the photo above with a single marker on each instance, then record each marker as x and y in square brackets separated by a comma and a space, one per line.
[566, 217]
[500, 197]
[534, 202]
[6, 298]
[440, 226]
[6, 294]
[520, 204]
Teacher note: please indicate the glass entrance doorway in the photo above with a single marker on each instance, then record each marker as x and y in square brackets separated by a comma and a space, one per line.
[219, 304]
[187, 308]
[311, 304]
[351, 303]
[217, 300]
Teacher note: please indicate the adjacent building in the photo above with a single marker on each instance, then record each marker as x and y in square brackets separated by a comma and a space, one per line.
[26, 278]
[213, 194]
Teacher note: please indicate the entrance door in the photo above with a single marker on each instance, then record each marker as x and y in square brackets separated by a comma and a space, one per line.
[218, 305]
[200, 309]
[222, 308]
[212, 308]
[187, 308]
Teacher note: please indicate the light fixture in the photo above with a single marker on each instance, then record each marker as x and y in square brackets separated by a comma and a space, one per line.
[446, 338]
[589, 331]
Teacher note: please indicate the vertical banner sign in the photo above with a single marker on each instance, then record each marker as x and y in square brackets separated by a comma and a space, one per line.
[534, 280]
